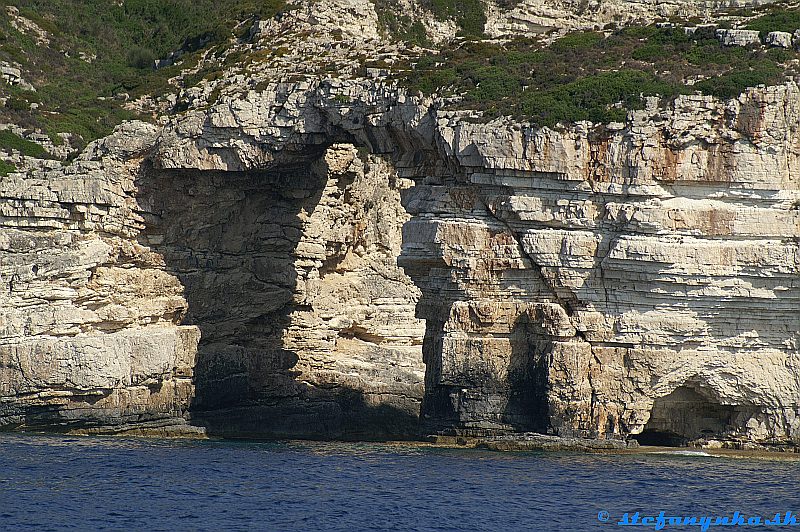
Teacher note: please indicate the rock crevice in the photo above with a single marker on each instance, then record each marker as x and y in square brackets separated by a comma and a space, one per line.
[571, 281]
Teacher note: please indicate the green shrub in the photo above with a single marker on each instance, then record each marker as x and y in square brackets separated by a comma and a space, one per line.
[734, 83]
[6, 168]
[779, 20]
[593, 97]
[10, 141]
[780, 55]
[586, 76]
[493, 83]
[575, 42]
[434, 80]
[141, 58]
[638, 32]
[401, 27]
[89, 123]
[16, 103]
[126, 38]
[714, 53]
[469, 15]
[649, 52]
[416, 34]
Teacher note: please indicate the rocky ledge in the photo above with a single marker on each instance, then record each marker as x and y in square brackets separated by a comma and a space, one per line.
[594, 281]
[338, 258]
[531, 441]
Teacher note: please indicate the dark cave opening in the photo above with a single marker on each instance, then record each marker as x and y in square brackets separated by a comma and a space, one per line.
[230, 237]
[684, 415]
[250, 250]
[660, 438]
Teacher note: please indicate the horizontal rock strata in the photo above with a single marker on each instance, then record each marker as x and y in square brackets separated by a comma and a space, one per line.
[539, 16]
[90, 333]
[585, 275]
[586, 281]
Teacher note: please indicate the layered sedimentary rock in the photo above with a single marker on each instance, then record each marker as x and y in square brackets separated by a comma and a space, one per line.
[593, 281]
[90, 333]
[269, 262]
[582, 281]
[284, 271]
[540, 16]
[308, 325]
[607, 281]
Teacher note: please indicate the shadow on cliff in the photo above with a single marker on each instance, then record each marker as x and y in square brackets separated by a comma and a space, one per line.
[480, 402]
[231, 239]
[527, 408]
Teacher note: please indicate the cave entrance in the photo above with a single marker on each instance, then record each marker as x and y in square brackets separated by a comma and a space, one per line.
[685, 415]
[308, 325]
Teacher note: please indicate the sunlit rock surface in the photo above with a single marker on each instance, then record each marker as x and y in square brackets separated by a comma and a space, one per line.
[336, 258]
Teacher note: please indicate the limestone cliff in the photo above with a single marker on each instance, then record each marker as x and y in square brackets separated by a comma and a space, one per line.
[114, 269]
[540, 16]
[290, 257]
[89, 322]
[604, 281]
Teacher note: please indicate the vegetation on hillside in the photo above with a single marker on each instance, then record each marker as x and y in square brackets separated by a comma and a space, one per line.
[468, 15]
[399, 25]
[101, 53]
[101, 50]
[777, 18]
[6, 168]
[591, 76]
[10, 141]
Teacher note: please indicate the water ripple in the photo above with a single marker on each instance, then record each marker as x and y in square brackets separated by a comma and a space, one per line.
[57, 483]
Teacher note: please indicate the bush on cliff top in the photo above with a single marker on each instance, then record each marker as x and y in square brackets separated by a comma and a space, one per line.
[10, 141]
[118, 42]
[732, 84]
[602, 97]
[590, 76]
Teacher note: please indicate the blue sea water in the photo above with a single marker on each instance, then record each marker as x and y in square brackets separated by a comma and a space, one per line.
[58, 483]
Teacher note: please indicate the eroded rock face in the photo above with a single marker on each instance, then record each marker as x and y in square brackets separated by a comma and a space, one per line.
[539, 16]
[261, 290]
[287, 237]
[308, 326]
[90, 334]
[738, 37]
[586, 281]
[782, 39]
[588, 272]
[571, 278]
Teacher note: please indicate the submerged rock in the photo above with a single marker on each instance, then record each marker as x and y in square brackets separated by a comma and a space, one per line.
[542, 442]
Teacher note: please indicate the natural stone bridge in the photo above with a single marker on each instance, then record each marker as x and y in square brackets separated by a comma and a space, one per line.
[263, 268]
